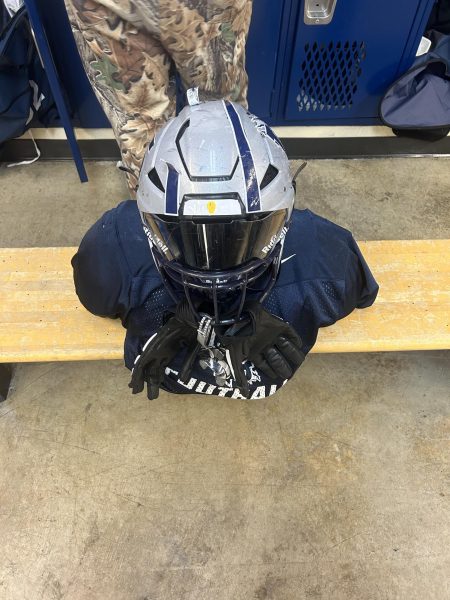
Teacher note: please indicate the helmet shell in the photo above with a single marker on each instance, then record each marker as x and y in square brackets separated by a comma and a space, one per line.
[211, 162]
[215, 159]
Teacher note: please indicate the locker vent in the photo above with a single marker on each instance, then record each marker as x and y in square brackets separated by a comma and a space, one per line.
[329, 75]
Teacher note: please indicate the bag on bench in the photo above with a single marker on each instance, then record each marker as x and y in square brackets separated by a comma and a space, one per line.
[418, 104]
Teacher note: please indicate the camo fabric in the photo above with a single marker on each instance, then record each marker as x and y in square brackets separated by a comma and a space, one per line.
[130, 48]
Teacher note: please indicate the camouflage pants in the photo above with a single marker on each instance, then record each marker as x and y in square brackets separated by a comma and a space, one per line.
[129, 49]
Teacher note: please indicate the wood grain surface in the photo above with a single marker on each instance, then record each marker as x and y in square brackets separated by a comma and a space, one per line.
[41, 318]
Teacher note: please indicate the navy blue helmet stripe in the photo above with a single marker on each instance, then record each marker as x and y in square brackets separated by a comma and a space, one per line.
[251, 182]
[172, 191]
[273, 136]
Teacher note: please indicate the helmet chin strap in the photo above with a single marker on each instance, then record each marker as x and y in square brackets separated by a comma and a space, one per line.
[297, 173]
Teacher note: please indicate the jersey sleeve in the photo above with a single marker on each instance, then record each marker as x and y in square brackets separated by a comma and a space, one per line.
[361, 289]
[101, 275]
[329, 300]
[324, 279]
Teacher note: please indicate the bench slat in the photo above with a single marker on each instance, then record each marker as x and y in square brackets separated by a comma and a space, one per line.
[42, 320]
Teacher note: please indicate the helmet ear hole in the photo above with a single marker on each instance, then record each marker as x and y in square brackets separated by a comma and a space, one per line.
[154, 178]
[269, 176]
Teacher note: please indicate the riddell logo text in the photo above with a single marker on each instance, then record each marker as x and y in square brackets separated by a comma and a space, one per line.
[273, 240]
[156, 241]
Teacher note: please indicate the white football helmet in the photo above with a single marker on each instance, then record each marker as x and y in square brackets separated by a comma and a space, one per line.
[216, 196]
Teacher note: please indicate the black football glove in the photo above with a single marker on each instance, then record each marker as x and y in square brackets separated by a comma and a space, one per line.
[179, 332]
[268, 342]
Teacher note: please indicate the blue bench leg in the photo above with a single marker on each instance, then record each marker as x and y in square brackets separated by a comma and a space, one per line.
[6, 372]
[53, 79]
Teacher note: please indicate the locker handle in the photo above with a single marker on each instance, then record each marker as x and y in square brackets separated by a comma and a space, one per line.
[319, 12]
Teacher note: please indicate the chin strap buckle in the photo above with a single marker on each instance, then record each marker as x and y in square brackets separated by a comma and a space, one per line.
[206, 335]
[210, 356]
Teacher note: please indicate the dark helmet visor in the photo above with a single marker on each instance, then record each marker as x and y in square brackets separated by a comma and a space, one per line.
[215, 245]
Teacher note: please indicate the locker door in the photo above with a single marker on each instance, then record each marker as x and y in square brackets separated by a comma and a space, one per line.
[345, 56]
[262, 53]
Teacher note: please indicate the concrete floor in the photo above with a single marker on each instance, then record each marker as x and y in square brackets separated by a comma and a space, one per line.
[336, 488]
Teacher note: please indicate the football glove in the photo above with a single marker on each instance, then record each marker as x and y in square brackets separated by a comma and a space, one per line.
[267, 341]
[180, 331]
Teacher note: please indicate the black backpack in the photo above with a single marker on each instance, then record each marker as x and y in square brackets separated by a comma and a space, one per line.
[440, 17]
[24, 89]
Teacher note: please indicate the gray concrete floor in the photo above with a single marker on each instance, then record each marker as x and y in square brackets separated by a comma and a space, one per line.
[336, 488]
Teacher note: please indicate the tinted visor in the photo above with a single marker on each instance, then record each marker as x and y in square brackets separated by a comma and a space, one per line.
[219, 244]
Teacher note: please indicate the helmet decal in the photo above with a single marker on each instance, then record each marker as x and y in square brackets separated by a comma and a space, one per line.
[264, 129]
[252, 187]
[273, 136]
[172, 190]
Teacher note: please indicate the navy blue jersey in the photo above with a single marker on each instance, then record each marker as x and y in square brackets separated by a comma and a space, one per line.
[323, 277]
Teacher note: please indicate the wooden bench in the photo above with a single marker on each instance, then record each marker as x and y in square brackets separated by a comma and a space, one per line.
[41, 318]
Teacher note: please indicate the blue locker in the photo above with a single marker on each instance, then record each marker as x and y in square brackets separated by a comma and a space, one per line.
[264, 52]
[332, 72]
[344, 55]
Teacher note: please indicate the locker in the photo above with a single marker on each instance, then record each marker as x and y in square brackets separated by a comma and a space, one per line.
[344, 55]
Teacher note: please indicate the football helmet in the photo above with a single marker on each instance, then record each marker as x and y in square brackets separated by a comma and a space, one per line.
[216, 196]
